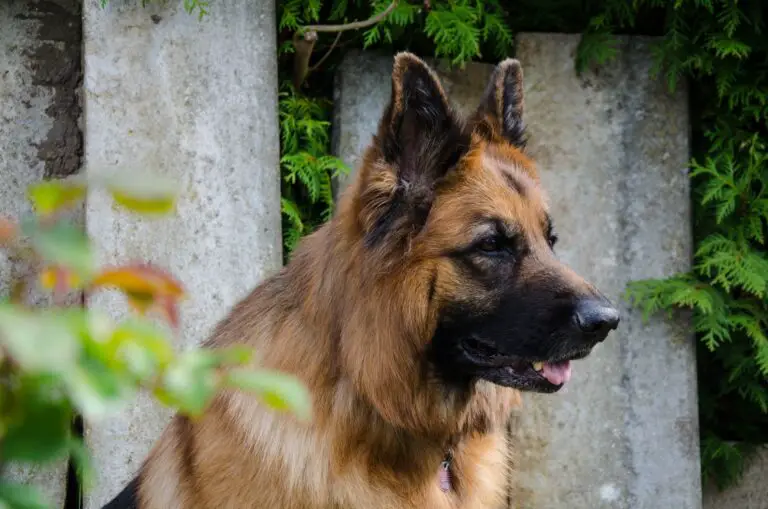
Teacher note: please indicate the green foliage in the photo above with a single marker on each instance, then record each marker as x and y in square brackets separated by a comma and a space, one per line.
[721, 47]
[306, 168]
[457, 29]
[60, 361]
[21, 496]
[454, 29]
[199, 6]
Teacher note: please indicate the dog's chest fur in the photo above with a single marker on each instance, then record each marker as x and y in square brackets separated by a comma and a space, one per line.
[262, 460]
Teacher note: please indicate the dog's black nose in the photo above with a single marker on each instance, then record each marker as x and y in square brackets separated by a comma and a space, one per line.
[596, 318]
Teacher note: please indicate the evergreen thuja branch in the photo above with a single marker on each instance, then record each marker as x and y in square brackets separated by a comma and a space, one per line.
[719, 47]
[305, 38]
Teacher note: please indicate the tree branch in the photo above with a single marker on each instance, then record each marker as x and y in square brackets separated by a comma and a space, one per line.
[304, 42]
[327, 54]
[303, 46]
[355, 25]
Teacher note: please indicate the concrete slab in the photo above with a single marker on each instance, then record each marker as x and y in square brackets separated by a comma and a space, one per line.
[612, 148]
[195, 101]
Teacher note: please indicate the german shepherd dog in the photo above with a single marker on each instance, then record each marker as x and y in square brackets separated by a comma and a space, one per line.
[415, 316]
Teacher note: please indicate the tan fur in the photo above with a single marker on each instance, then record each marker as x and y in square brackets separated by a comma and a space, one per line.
[353, 329]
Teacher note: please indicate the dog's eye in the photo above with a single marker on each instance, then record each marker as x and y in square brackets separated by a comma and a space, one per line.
[489, 245]
[552, 240]
[550, 233]
[495, 245]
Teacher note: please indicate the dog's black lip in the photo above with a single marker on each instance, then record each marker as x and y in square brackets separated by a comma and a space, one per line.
[497, 359]
[527, 380]
[573, 355]
[487, 355]
[515, 371]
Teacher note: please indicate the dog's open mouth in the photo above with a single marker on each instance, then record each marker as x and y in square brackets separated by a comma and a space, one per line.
[540, 375]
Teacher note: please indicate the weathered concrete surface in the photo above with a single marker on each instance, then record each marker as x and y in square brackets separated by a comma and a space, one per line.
[612, 151]
[750, 493]
[195, 101]
[39, 138]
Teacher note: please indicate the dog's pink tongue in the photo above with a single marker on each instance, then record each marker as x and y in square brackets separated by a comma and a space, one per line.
[557, 373]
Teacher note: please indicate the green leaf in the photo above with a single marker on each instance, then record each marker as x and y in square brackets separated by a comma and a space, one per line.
[50, 196]
[278, 390]
[41, 342]
[83, 463]
[140, 346]
[454, 31]
[141, 192]
[41, 436]
[97, 390]
[292, 212]
[200, 5]
[60, 244]
[190, 382]
[232, 356]
[595, 48]
[20, 496]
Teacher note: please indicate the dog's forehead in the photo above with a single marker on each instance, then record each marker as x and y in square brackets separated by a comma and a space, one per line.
[506, 187]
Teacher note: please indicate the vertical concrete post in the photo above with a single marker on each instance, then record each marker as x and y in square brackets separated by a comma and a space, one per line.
[612, 150]
[196, 101]
[40, 74]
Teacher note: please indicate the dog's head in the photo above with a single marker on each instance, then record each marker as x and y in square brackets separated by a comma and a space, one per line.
[456, 208]
[446, 249]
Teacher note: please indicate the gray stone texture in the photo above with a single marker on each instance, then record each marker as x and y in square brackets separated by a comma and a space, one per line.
[750, 493]
[39, 138]
[195, 101]
[612, 148]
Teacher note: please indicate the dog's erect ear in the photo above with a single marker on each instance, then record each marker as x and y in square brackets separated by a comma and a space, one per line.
[500, 113]
[419, 139]
[416, 121]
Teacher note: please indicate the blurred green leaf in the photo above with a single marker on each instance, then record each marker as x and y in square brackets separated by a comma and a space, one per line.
[44, 341]
[146, 336]
[60, 244]
[278, 390]
[190, 381]
[135, 347]
[83, 463]
[20, 496]
[98, 390]
[139, 361]
[41, 436]
[232, 356]
[141, 192]
[50, 196]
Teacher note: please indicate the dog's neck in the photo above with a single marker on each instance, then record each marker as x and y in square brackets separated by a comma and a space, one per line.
[393, 419]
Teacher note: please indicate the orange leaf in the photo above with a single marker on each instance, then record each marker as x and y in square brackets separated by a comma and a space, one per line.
[59, 279]
[141, 302]
[147, 287]
[140, 278]
[8, 230]
[170, 309]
